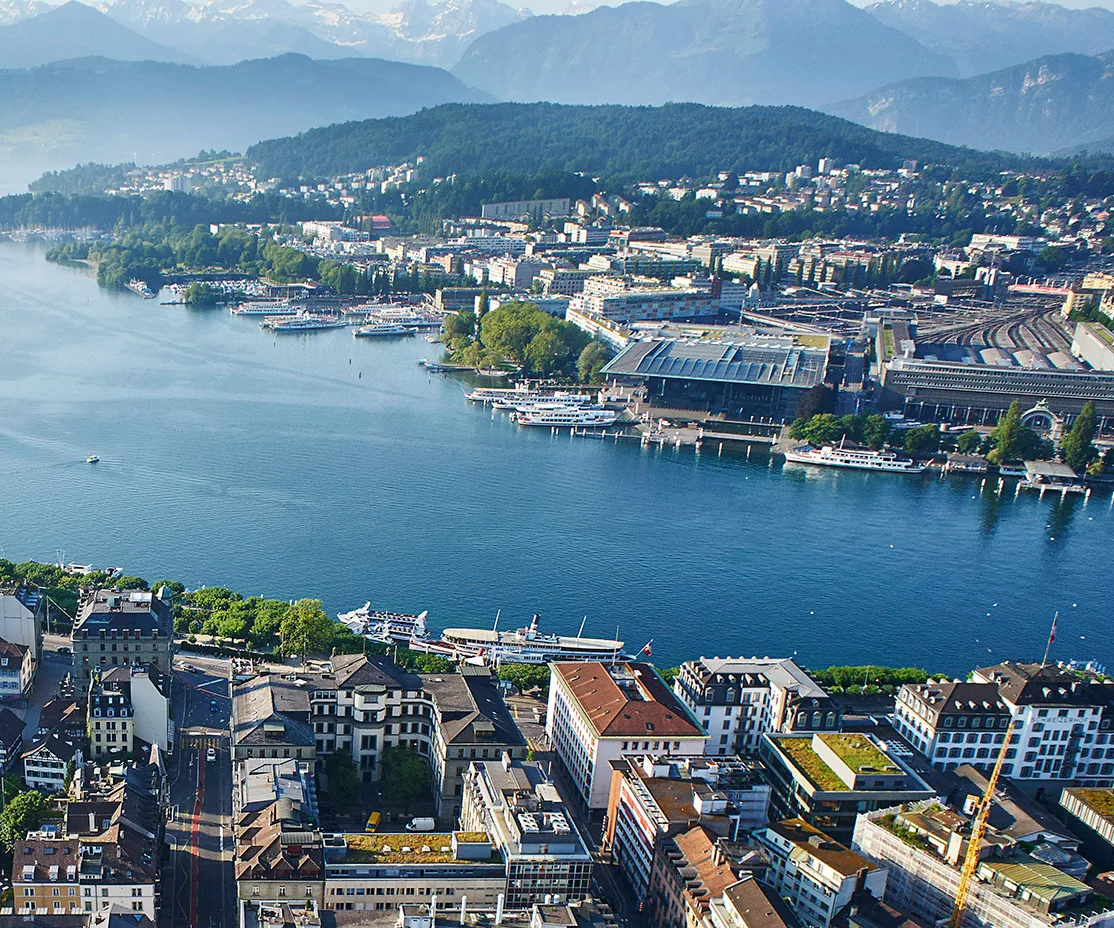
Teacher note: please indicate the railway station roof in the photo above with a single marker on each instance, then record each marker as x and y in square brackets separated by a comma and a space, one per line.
[775, 363]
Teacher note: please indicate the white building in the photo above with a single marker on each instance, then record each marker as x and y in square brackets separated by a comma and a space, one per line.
[17, 670]
[46, 764]
[20, 618]
[599, 713]
[1062, 722]
[737, 700]
[814, 874]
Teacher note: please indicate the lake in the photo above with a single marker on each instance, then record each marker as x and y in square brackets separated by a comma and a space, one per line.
[324, 466]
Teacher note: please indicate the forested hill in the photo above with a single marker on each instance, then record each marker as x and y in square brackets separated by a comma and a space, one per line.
[618, 143]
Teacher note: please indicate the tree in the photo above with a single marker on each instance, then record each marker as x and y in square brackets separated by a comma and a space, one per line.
[923, 440]
[343, 780]
[405, 776]
[23, 813]
[591, 361]
[1076, 445]
[525, 677]
[968, 442]
[876, 430]
[1006, 436]
[460, 324]
[305, 628]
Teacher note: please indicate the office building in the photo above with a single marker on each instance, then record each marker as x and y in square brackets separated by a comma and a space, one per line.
[121, 629]
[653, 799]
[544, 856]
[738, 700]
[599, 713]
[816, 875]
[827, 779]
[381, 872]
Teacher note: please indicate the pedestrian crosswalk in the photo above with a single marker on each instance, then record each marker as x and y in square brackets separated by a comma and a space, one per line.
[201, 740]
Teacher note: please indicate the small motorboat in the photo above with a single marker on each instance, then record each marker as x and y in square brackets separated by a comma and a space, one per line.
[92, 459]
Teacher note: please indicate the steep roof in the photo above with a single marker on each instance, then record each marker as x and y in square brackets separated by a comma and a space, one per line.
[629, 699]
[270, 710]
[471, 708]
[1044, 685]
[705, 873]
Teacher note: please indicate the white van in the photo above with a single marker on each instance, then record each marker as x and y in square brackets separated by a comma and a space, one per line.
[421, 824]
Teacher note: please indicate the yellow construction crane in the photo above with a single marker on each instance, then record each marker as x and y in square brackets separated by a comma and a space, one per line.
[978, 829]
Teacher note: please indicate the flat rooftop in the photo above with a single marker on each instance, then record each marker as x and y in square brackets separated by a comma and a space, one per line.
[781, 363]
[408, 848]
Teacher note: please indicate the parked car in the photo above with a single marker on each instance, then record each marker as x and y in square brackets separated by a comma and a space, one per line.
[65, 650]
[213, 707]
[211, 755]
[421, 824]
[372, 823]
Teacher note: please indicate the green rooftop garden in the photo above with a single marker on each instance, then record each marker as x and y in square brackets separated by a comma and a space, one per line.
[400, 848]
[473, 837]
[809, 763]
[858, 752]
[1101, 800]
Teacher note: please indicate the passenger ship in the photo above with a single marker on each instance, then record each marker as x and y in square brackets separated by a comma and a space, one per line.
[522, 646]
[853, 458]
[561, 416]
[302, 323]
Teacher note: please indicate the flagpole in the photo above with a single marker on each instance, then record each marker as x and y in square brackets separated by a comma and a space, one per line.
[1051, 638]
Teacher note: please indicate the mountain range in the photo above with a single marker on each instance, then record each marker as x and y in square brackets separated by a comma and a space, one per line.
[227, 31]
[1051, 103]
[93, 109]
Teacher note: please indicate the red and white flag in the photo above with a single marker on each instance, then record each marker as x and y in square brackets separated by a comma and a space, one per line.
[648, 648]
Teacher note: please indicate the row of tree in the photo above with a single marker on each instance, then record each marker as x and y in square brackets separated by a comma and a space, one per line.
[526, 336]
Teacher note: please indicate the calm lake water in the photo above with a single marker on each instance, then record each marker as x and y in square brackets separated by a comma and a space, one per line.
[268, 464]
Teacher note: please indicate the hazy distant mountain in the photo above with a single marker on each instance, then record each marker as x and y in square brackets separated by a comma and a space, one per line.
[227, 31]
[1055, 102]
[983, 36]
[710, 51]
[74, 30]
[98, 110]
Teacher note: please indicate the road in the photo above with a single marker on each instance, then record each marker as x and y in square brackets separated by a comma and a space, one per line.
[199, 886]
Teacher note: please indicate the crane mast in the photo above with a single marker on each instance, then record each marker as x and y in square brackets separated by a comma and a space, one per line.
[978, 829]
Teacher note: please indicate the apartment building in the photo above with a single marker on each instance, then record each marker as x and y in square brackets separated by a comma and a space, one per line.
[279, 855]
[738, 700]
[379, 873]
[543, 854]
[470, 722]
[106, 856]
[47, 763]
[110, 713]
[599, 713]
[22, 609]
[816, 875]
[693, 871]
[750, 904]
[922, 847]
[653, 799]
[828, 778]
[259, 782]
[122, 629]
[17, 670]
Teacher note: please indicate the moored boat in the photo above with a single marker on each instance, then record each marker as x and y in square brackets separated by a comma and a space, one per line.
[853, 458]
